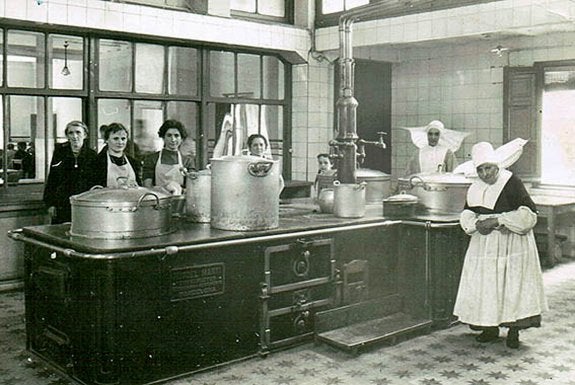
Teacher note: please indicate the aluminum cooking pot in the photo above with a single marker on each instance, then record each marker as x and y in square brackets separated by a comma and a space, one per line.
[378, 184]
[245, 193]
[121, 213]
[198, 196]
[441, 193]
[349, 199]
[402, 205]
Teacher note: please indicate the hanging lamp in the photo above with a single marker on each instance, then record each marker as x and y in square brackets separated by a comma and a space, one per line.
[65, 70]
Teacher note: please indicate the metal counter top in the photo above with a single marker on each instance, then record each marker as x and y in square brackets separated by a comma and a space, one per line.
[294, 219]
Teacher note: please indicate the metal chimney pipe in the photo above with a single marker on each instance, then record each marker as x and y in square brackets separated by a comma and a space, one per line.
[346, 105]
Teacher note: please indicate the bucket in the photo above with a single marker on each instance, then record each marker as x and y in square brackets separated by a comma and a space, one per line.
[349, 199]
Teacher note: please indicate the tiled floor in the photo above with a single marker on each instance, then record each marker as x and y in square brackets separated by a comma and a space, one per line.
[446, 357]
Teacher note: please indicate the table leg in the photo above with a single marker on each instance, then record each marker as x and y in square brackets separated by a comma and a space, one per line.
[551, 257]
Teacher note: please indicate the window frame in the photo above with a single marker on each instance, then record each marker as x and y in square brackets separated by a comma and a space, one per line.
[287, 19]
[329, 20]
[90, 94]
[534, 162]
[44, 92]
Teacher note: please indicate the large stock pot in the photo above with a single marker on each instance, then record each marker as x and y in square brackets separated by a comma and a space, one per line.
[245, 193]
[378, 184]
[121, 213]
[441, 193]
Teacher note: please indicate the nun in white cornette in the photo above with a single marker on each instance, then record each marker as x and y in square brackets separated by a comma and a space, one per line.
[501, 283]
[436, 146]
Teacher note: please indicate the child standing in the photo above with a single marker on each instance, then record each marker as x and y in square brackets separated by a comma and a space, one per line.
[325, 173]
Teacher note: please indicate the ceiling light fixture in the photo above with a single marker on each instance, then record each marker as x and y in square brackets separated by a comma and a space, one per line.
[65, 71]
[499, 50]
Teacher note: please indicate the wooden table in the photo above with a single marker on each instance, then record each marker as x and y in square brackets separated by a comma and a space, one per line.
[550, 207]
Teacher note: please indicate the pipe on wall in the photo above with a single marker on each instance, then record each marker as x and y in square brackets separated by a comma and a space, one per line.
[346, 105]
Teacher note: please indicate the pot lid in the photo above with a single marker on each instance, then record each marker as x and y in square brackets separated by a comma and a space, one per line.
[366, 173]
[242, 158]
[439, 177]
[193, 174]
[402, 197]
[119, 195]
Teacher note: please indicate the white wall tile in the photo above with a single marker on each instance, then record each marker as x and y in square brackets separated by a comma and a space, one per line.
[15, 9]
[35, 12]
[77, 15]
[57, 13]
[114, 20]
[95, 18]
[96, 4]
[78, 3]
[132, 23]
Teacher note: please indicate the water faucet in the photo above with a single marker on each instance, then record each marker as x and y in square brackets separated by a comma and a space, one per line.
[361, 146]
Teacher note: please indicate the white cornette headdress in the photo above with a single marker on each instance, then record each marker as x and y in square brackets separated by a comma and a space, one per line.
[482, 153]
[506, 155]
[449, 138]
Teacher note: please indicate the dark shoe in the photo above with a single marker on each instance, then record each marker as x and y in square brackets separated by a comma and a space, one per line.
[488, 334]
[512, 340]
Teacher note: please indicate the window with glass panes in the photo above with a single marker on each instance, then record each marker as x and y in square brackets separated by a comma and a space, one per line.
[136, 83]
[248, 92]
[41, 90]
[276, 10]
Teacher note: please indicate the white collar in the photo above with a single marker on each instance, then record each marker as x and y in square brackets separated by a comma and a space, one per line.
[486, 195]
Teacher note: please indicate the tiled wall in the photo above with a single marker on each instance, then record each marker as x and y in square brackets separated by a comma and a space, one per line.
[312, 120]
[462, 85]
[506, 15]
[443, 68]
[106, 15]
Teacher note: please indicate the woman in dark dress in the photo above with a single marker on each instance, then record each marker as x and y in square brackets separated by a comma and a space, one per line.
[69, 172]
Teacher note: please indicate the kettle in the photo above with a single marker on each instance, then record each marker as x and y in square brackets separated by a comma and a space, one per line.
[325, 200]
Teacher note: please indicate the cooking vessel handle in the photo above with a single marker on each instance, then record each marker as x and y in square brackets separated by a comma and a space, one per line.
[122, 181]
[411, 185]
[260, 169]
[144, 196]
[96, 187]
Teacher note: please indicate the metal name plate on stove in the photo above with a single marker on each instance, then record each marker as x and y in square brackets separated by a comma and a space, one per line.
[197, 281]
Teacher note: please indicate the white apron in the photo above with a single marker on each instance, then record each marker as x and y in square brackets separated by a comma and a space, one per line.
[501, 279]
[166, 173]
[115, 172]
[430, 157]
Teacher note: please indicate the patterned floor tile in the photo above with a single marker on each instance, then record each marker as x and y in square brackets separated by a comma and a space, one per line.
[546, 355]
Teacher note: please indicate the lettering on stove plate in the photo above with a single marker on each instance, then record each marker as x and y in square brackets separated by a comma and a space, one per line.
[197, 281]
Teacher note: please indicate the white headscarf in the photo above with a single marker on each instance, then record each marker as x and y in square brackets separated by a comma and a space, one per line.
[447, 138]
